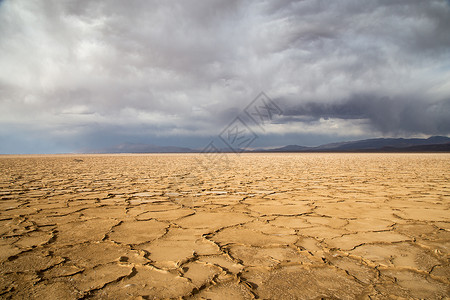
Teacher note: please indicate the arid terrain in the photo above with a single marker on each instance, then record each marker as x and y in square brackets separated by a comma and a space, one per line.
[243, 226]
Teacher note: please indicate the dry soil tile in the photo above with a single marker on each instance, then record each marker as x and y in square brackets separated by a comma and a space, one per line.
[266, 257]
[345, 211]
[9, 204]
[137, 232]
[443, 225]
[64, 211]
[200, 273]
[398, 255]
[294, 222]
[97, 277]
[411, 285]
[61, 270]
[17, 285]
[223, 262]
[243, 236]
[321, 232]
[93, 254]
[46, 220]
[309, 283]
[227, 290]
[170, 253]
[212, 220]
[143, 208]
[442, 272]
[30, 262]
[169, 215]
[105, 212]
[360, 224]
[350, 241]
[309, 244]
[332, 222]
[281, 210]
[268, 228]
[424, 214]
[440, 247]
[354, 267]
[418, 230]
[140, 201]
[8, 250]
[51, 290]
[147, 282]
[33, 239]
[84, 231]
[18, 212]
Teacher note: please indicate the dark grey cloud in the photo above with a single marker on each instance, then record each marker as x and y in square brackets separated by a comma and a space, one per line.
[404, 116]
[73, 72]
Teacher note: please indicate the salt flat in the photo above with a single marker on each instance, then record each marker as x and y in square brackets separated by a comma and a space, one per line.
[225, 227]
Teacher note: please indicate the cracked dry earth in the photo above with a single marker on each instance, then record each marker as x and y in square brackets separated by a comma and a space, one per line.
[265, 226]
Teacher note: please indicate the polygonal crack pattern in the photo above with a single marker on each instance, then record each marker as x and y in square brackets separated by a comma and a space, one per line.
[269, 226]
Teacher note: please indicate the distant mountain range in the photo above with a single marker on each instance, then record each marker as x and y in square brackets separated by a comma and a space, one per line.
[431, 144]
[434, 143]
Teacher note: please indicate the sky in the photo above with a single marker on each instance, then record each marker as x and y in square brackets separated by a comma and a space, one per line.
[77, 75]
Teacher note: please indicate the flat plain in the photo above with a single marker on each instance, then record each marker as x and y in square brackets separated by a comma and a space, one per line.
[268, 226]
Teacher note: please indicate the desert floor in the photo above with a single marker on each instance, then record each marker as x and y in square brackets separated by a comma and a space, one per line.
[225, 227]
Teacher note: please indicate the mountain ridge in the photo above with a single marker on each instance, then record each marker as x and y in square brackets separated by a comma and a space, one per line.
[376, 144]
[431, 144]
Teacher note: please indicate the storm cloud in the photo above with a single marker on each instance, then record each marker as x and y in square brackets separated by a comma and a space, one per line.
[85, 74]
[400, 116]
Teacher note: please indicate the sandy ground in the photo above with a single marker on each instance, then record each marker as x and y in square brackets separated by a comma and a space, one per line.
[254, 226]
